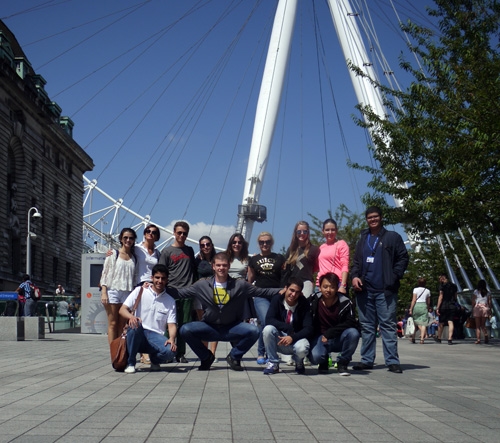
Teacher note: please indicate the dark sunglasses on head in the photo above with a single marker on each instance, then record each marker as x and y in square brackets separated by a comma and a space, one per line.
[264, 242]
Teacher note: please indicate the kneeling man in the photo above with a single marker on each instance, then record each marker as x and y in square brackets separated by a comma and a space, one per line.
[288, 327]
[223, 300]
[155, 311]
[335, 326]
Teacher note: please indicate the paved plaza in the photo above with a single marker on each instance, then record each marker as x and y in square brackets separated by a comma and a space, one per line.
[63, 389]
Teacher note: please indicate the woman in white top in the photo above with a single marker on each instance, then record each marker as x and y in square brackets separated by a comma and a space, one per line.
[146, 254]
[419, 309]
[237, 251]
[481, 310]
[117, 281]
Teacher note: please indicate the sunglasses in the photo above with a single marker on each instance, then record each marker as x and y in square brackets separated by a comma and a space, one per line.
[237, 242]
[152, 231]
[264, 242]
[205, 245]
[181, 233]
[125, 238]
[301, 231]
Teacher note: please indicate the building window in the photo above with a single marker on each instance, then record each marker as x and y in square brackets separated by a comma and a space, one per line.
[68, 236]
[43, 184]
[68, 273]
[56, 192]
[55, 228]
[55, 263]
[68, 201]
[33, 260]
[33, 169]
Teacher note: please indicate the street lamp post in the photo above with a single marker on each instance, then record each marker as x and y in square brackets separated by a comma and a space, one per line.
[37, 214]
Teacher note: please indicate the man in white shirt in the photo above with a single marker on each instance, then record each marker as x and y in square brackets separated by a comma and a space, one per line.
[155, 312]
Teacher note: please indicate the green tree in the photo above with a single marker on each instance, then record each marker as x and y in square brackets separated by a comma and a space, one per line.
[440, 155]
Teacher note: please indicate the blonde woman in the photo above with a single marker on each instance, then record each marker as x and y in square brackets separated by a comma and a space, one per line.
[481, 310]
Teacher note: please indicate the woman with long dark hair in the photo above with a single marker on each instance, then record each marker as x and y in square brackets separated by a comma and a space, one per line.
[237, 251]
[481, 310]
[117, 281]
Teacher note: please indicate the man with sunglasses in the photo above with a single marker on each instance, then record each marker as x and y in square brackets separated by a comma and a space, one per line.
[181, 264]
[265, 270]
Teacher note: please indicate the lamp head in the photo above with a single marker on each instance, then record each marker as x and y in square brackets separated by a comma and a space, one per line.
[37, 215]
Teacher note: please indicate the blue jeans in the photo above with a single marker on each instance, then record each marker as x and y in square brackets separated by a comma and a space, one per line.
[261, 307]
[298, 350]
[242, 335]
[30, 307]
[148, 342]
[376, 308]
[346, 344]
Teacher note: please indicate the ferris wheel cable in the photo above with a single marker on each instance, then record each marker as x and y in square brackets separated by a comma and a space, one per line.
[38, 68]
[81, 25]
[159, 35]
[162, 33]
[198, 45]
[43, 5]
[198, 104]
[329, 77]
[229, 109]
[322, 106]
[245, 112]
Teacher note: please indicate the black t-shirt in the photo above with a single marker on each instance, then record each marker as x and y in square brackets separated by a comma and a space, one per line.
[449, 290]
[267, 270]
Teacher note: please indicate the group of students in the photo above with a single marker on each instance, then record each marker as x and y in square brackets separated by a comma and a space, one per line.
[297, 315]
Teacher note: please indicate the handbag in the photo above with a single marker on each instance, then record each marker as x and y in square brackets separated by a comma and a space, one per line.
[118, 347]
[410, 327]
[470, 323]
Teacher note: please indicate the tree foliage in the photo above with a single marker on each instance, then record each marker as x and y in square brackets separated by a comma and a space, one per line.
[440, 155]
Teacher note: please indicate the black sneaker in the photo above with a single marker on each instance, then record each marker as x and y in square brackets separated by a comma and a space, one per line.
[362, 367]
[205, 364]
[396, 369]
[323, 368]
[300, 368]
[181, 359]
[342, 370]
[233, 363]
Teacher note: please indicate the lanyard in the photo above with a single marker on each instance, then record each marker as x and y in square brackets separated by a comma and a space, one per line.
[374, 247]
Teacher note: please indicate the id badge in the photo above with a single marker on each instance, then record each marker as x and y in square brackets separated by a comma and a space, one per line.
[370, 259]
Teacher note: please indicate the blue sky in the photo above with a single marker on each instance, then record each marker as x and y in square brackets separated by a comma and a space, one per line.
[163, 95]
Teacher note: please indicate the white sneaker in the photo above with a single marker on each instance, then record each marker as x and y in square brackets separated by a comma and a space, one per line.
[216, 360]
[130, 370]
[155, 367]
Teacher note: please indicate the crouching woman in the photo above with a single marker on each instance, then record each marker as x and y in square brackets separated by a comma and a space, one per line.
[335, 326]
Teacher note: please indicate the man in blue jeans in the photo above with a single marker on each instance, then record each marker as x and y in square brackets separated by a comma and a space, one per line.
[380, 260]
[288, 327]
[223, 300]
[155, 312]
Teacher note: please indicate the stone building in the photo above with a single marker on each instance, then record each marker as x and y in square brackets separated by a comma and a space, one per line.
[41, 166]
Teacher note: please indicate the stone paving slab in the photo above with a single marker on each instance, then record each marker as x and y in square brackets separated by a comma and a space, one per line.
[63, 389]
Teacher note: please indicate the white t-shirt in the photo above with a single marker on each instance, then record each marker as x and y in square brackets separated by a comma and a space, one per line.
[145, 263]
[155, 310]
[422, 294]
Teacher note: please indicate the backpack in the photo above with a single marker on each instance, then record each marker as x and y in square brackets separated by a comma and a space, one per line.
[35, 293]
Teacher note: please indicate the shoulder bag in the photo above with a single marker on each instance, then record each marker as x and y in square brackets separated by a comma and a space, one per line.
[118, 347]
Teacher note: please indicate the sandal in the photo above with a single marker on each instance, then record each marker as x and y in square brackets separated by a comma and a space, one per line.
[422, 342]
[413, 340]
[477, 342]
